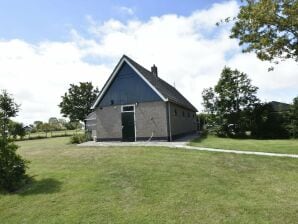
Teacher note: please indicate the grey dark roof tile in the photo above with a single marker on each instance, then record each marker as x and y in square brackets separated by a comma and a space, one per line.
[168, 91]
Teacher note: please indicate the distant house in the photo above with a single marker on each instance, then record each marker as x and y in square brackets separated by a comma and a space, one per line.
[135, 104]
[90, 123]
[279, 107]
[28, 128]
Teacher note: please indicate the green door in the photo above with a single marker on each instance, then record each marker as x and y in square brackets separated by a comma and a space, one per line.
[128, 126]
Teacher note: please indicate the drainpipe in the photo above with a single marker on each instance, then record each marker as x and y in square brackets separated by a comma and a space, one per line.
[169, 115]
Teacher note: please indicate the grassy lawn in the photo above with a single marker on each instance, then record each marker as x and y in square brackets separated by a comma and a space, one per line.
[51, 134]
[151, 185]
[279, 146]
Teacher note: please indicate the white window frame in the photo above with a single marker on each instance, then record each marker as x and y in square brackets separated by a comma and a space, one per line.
[129, 105]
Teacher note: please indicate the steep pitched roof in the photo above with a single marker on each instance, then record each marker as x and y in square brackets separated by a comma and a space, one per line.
[165, 90]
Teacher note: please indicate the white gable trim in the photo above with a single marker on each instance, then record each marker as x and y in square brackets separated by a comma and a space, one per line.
[152, 87]
[111, 78]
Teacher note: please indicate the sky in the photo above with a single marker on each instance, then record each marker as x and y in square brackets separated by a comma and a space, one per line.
[47, 45]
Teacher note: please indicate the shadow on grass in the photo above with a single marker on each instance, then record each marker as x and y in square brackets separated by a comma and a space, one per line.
[32, 187]
[44, 186]
[201, 138]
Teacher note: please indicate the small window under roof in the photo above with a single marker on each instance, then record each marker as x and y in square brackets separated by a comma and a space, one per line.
[128, 108]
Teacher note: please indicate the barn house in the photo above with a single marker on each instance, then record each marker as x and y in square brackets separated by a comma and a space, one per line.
[135, 104]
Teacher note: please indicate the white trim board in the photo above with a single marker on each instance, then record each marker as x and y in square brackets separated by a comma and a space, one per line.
[112, 76]
[128, 105]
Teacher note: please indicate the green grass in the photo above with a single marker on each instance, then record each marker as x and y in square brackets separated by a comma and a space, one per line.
[50, 134]
[278, 146]
[150, 185]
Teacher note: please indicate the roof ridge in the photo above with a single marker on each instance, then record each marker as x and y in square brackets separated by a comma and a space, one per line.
[156, 80]
[131, 60]
[146, 69]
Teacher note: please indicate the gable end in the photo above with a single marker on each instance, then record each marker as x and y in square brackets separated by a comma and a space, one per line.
[127, 85]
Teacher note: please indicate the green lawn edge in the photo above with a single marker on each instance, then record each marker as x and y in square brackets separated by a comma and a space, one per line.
[285, 146]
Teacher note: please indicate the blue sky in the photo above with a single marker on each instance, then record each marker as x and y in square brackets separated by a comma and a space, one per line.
[47, 45]
[39, 20]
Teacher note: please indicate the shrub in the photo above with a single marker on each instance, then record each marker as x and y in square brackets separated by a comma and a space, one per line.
[79, 138]
[16, 129]
[204, 133]
[12, 167]
[269, 124]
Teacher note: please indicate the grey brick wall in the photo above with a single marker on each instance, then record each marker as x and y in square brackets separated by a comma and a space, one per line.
[151, 120]
[108, 124]
[180, 123]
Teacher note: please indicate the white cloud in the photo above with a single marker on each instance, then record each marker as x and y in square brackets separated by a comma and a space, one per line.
[38, 75]
[189, 51]
[126, 10]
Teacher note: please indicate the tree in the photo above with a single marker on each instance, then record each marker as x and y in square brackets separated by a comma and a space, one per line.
[53, 120]
[231, 101]
[46, 127]
[209, 100]
[235, 92]
[76, 103]
[62, 122]
[267, 123]
[209, 103]
[55, 124]
[8, 109]
[73, 125]
[38, 125]
[16, 129]
[269, 28]
[12, 166]
[292, 116]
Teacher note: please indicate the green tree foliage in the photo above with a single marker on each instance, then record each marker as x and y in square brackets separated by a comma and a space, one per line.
[231, 101]
[53, 121]
[79, 138]
[292, 117]
[12, 166]
[46, 127]
[76, 103]
[209, 100]
[235, 93]
[8, 109]
[73, 125]
[269, 28]
[62, 122]
[16, 129]
[268, 123]
[37, 126]
[55, 124]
